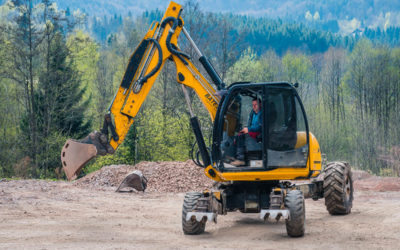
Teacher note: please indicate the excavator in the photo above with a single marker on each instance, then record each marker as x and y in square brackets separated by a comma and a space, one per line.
[282, 166]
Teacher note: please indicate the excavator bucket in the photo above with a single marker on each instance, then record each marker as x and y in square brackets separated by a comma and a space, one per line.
[134, 180]
[75, 155]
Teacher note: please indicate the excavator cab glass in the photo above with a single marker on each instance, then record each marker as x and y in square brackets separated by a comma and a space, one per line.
[263, 125]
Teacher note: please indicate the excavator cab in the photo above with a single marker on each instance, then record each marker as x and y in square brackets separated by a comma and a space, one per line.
[283, 139]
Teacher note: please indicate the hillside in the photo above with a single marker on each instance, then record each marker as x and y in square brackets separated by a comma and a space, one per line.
[346, 15]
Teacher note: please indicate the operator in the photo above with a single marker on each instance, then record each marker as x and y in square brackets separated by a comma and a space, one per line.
[253, 129]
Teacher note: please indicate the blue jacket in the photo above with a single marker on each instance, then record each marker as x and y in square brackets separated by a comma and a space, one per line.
[255, 121]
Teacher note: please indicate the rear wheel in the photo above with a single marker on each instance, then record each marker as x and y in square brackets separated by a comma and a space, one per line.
[295, 225]
[189, 204]
[338, 188]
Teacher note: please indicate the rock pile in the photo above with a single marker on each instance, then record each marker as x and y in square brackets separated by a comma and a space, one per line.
[163, 177]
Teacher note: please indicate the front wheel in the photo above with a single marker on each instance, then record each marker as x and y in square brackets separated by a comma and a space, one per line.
[338, 188]
[295, 225]
[189, 204]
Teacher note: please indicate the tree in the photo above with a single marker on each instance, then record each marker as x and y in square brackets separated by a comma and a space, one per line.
[45, 84]
[247, 68]
[332, 80]
[298, 68]
[60, 108]
[330, 123]
[25, 36]
[85, 56]
[373, 81]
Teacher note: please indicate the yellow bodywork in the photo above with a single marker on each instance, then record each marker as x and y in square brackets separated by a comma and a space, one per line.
[312, 169]
[127, 104]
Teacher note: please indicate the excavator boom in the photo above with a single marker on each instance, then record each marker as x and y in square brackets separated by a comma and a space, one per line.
[158, 45]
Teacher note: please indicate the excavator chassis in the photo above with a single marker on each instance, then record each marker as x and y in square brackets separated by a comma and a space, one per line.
[266, 198]
[273, 200]
[269, 199]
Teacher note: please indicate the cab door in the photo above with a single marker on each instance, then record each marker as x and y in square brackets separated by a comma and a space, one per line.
[232, 116]
[286, 137]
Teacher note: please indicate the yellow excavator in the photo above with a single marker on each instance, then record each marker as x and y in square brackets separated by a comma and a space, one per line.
[274, 159]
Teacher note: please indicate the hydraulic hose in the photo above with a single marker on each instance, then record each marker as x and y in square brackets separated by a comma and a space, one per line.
[170, 48]
[167, 20]
[143, 80]
[195, 155]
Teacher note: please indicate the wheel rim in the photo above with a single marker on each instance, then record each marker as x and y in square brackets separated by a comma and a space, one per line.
[348, 188]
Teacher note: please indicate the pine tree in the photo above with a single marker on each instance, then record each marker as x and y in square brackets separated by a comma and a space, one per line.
[60, 93]
[59, 107]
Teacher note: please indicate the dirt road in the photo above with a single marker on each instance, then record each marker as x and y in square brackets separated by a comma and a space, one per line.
[58, 215]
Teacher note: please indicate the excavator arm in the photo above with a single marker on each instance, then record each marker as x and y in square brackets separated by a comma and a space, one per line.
[159, 44]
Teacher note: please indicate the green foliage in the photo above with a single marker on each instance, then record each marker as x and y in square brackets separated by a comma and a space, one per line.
[58, 105]
[297, 68]
[375, 85]
[42, 89]
[49, 156]
[163, 137]
[60, 93]
[390, 35]
[351, 96]
[121, 156]
[84, 57]
[252, 68]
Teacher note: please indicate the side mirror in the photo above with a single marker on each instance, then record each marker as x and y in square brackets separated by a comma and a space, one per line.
[296, 85]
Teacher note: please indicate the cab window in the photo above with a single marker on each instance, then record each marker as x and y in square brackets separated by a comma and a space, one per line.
[286, 129]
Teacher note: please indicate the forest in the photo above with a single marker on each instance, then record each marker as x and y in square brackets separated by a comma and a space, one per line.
[59, 71]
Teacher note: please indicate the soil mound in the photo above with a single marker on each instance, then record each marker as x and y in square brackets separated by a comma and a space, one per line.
[367, 182]
[163, 177]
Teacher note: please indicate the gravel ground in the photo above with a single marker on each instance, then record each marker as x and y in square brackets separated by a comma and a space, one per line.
[88, 214]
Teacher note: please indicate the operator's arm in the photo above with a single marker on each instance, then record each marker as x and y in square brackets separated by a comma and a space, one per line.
[255, 125]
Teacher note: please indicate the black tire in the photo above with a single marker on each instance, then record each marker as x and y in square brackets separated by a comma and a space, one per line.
[192, 226]
[338, 188]
[295, 225]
